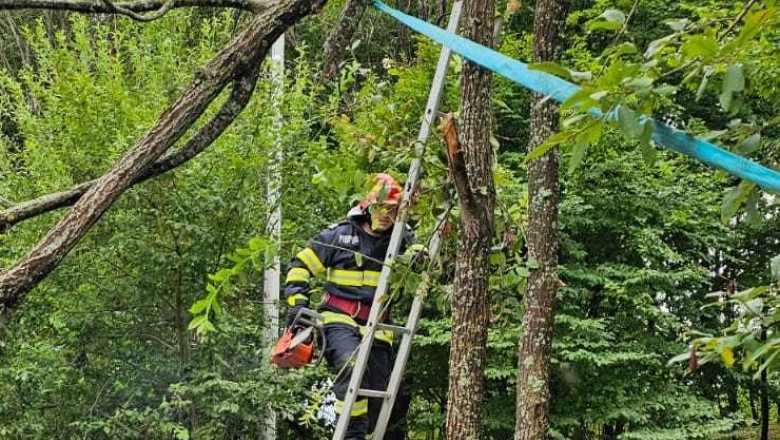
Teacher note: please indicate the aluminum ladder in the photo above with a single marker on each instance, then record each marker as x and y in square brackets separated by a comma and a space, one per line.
[380, 297]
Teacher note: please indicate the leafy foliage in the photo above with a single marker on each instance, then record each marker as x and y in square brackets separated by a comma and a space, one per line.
[105, 348]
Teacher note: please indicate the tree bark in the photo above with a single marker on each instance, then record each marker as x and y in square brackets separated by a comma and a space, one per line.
[100, 7]
[764, 406]
[764, 396]
[752, 400]
[533, 388]
[244, 53]
[341, 36]
[241, 93]
[474, 183]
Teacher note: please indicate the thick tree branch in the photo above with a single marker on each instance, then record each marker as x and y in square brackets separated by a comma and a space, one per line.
[245, 52]
[6, 203]
[239, 97]
[100, 7]
[140, 17]
[340, 36]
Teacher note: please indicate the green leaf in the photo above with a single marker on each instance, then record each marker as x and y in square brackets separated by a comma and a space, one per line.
[256, 243]
[573, 120]
[497, 259]
[199, 306]
[628, 122]
[734, 81]
[552, 68]
[750, 144]
[712, 135]
[731, 203]
[197, 322]
[704, 46]
[655, 46]
[579, 98]
[611, 19]
[578, 153]
[677, 25]
[665, 90]
[766, 365]
[640, 83]
[754, 22]
[221, 275]
[182, 433]
[649, 153]
[702, 86]
[751, 208]
[549, 143]
[614, 15]
[581, 76]
[679, 358]
[607, 25]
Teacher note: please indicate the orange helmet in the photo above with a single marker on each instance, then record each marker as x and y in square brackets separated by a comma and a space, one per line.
[385, 190]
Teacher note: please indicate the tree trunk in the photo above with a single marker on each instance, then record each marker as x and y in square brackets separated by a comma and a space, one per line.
[474, 182]
[764, 406]
[402, 49]
[243, 54]
[752, 399]
[533, 390]
[732, 390]
[764, 396]
[341, 36]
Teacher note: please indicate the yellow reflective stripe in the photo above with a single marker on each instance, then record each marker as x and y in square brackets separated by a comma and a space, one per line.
[380, 335]
[337, 318]
[354, 278]
[340, 318]
[371, 278]
[298, 274]
[292, 300]
[358, 409]
[311, 261]
[346, 277]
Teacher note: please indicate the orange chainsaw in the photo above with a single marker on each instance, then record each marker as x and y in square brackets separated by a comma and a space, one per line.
[296, 347]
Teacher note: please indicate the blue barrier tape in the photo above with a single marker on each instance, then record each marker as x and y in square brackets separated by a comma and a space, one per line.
[560, 90]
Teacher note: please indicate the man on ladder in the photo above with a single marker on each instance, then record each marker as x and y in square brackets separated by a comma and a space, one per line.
[349, 257]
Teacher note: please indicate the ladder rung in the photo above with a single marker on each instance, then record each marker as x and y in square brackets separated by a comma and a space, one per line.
[394, 328]
[373, 393]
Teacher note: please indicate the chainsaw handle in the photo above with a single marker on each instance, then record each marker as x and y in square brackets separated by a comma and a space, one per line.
[310, 318]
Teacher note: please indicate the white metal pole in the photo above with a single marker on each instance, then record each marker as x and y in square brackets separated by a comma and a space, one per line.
[274, 227]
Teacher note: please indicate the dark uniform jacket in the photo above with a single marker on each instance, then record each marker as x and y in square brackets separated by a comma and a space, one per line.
[331, 255]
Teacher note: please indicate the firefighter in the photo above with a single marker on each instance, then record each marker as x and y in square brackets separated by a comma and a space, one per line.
[349, 286]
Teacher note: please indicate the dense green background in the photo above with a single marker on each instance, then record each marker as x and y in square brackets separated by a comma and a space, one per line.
[101, 349]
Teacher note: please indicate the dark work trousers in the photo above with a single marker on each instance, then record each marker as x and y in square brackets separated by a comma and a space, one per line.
[343, 341]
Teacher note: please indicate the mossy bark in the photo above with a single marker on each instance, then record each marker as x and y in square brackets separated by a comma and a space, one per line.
[474, 181]
[533, 388]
